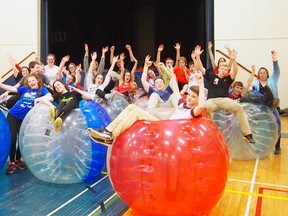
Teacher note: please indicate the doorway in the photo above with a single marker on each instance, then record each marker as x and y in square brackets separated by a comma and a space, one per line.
[144, 24]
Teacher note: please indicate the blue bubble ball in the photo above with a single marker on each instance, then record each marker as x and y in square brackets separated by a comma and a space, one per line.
[5, 139]
[65, 157]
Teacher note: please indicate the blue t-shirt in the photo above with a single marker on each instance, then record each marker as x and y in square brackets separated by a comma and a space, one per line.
[26, 102]
[64, 80]
[164, 95]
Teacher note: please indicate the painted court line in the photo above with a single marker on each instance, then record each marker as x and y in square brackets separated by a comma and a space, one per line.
[260, 183]
[248, 206]
[105, 202]
[256, 194]
[259, 200]
[75, 197]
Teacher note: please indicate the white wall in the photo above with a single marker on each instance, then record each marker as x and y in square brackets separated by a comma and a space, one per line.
[254, 28]
[20, 29]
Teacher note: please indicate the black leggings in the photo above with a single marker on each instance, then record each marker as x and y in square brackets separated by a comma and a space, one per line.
[15, 125]
[64, 109]
[107, 89]
[110, 86]
[277, 145]
[180, 85]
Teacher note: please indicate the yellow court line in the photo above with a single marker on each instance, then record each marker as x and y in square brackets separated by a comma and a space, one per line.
[256, 194]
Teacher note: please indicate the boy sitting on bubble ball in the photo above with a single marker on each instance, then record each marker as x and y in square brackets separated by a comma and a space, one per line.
[192, 107]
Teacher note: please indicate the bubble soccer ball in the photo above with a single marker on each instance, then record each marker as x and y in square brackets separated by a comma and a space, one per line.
[170, 167]
[69, 156]
[263, 126]
[115, 107]
[5, 139]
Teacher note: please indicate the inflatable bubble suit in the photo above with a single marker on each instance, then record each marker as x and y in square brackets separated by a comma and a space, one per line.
[5, 139]
[115, 107]
[162, 111]
[69, 156]
[263, 126]
[170, 167]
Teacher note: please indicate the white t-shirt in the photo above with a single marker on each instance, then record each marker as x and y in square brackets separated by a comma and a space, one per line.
[51, 72]
[183, 112]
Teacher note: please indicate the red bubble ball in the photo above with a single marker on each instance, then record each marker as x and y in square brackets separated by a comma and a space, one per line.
[170, 167]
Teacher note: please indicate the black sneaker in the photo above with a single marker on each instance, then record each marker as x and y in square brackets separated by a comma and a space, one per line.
[249, 138]
[11, 168]
[102, 136]
[3, 107]
[20, 164]
[277, 150]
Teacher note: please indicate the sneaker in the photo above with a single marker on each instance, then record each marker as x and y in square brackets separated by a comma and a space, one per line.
[20, 164]
[11, 168]
[277, 150]
[99, 100]
[281, 112]
[249, 138]
[3, 107]
[52, 113]
[58, 124]
[102, 136]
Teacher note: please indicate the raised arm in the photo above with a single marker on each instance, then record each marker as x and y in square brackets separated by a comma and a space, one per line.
[186, 73]
[193, 57]
[111, 73]
[249, 81]
[122, 69]
[276, 69]
[78, 76]
[12, 62]
[227, 46]
[61, 66]
[211, 55]
[102, 60]
[177, 47]
[201, 98]
[93, 61]
[144, 76]
[234, 68]
[112, 49]
[86, 58]
[199, 65]
[174, 86]
[162, 70]
[133, 59]
[134, 70]
[128, 47]
[159, 51]
[166, 71]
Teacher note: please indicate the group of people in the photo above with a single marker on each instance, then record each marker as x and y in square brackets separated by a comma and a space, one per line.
[176, 87]
[218, 94]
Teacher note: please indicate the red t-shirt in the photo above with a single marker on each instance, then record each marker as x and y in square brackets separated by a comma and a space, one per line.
[234, 97]
[180, 74]
[124, 87]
